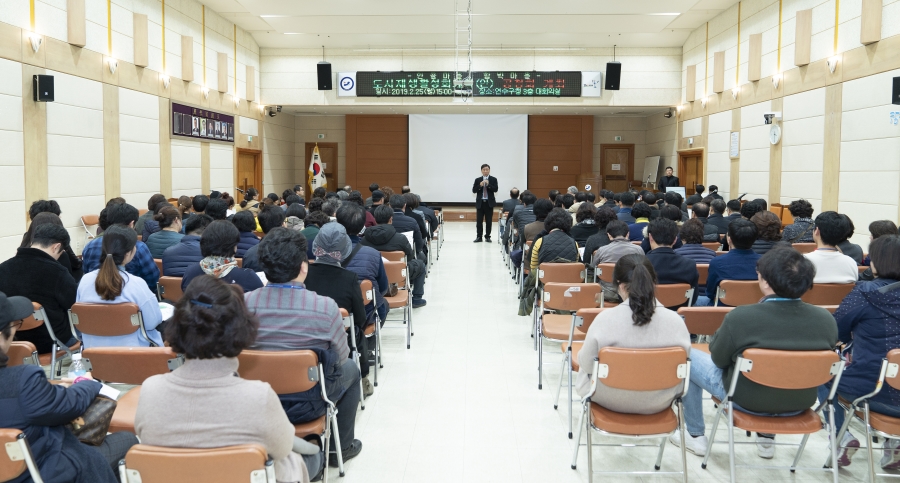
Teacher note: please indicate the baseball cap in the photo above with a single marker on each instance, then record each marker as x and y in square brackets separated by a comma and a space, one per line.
[377, 195]
[13, 308]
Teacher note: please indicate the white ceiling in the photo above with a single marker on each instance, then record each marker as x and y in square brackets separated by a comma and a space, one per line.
[617, 111]
[415, 24]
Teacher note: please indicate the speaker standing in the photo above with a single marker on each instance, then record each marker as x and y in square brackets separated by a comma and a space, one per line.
[484, 188]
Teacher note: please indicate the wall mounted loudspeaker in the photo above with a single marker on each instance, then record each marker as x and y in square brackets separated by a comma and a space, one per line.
[895, 97]
[613, 73]
[42, 86]
[324, 69]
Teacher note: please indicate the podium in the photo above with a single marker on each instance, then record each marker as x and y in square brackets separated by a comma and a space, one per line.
[593, 179]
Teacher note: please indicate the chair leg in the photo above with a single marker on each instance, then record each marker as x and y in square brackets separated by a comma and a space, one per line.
[325, 441]
[540, 361]
[834, 443]
[683, 450]
[848, 415]
[662, 447]
[578, 440]
[712, 437]
[869, 444]
[590, 452]
[730, 440]
[559, 387]
[362, 392]
[337, 442]
[408, 321]
[800, 453]
[55, 372]
[569, 367]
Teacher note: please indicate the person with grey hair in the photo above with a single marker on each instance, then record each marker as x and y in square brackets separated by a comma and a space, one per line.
[330, 207]
[328, 278]
[343, 195]
[572, 190]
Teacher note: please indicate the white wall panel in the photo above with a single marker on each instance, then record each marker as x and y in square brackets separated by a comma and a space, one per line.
[221, 168]
[186, 175]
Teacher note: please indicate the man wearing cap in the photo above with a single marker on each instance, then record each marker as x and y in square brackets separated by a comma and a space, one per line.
[35, 273]
[28, 402]
[376, 200]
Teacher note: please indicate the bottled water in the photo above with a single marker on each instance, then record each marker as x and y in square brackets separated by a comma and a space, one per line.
[77, 368]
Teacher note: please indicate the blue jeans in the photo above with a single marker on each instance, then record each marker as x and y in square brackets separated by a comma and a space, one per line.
[840, 415]
[703, 301]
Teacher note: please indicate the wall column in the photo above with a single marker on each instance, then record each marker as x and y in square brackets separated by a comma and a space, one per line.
[112, 170]
[831, 159]
[34, 134]
[775, 158]
[735, 162]
[165, 148]
[204, 168]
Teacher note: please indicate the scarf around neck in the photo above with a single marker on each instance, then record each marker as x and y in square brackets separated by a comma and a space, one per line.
[218, 266]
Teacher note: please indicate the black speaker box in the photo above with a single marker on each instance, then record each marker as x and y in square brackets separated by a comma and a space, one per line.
[613, 75]
[895, 97]
[43, 88]
[324, 70]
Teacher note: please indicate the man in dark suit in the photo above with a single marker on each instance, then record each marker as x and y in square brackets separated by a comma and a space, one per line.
[484, 188]
[668, 180]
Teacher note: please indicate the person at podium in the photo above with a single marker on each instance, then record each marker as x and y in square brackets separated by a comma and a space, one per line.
[669, 180]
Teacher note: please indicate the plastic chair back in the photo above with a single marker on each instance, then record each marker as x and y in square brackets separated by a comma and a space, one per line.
[571, 296]
[808, 369]
[169, 288]
[395, 256]
[396, 273]
[674, 294]
[827, 293]
[604, 271]
[286, 371]
[805, 247]
[714, 246]
[704, 320]
[642, 369]
[368, 295]
[561, 272]
[14, 463]
[159, 265]
[703, 270]
[106, 319]
[22, 352]
[130, 365]
[588, 315]
[738, 292]
[247, 463]
[893, 375]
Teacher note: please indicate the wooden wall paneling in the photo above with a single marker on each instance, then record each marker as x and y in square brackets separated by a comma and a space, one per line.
[250, 95]
[690, 84]
[870, 24]
[350, 140]
[719, 72]
[562, 141]
[141, 41]
[754, 59]
[377, 150]
[222, 72]
[803, 37]
[75, 23]
[187, 59]
[587, 145]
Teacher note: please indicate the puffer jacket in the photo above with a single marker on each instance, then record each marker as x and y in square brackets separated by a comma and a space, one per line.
[385, 238]
[162, 240]
[177, 258]
[869, 316]
[151, 226]
[248, 239]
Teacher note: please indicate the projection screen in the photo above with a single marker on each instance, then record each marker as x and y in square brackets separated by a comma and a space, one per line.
[447, 150]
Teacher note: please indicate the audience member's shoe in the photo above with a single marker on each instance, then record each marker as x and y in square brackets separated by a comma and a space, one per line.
[890, 459]
[368, 390]
[696, 445]
[370, 358]
[347, 453]
[487, 239]
[321, 473]
[477, 240]
[419, 303]
[765, 447]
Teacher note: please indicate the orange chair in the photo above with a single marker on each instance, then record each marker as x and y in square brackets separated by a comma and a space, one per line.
[169, 288]
[290, 372]
[22, 352]
[786, 217]
[827, 293]
[805, 247]
[766, 367]
[604, 272]
[395, 256]
[156, 464]
[158, 262]
[583, 320]
[397, 273]
[714, 246]
[738, 292]
[703, 321]
[108, 320]
[129, 365]
[636, 370]
[703, 270]
[674, 294]
[59, 350]
[372, 330]
[554, 273]
[347, 318]
[830, 308]
[89, 223]
[19, 458]
[719, 253]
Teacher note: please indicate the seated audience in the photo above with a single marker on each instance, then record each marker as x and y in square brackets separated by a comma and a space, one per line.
[67, 258]
[184, 207]
[781, 321]
[385, 238]
[370, 200]
[862, 320]
[692, 237]
[700, 211]
[541, 208]
[697, 196]
[217, 209]
[877, 229]
[293, 318]
[750, 209]
[151, 211]
[229, 205]
[245, 222]
[330, 206]
[294, 218]
[768, 228]
[251, 202]
[169, 220]
[211, 327]
[522, 216]
[738, 264]
[638, 323]
[557, 244]
[641, 214]
[668, 212]
[675, 199]
[218, 245]
[426, 212]
[714, 192]
[313, 222]
[42, 411]
[111, 284]
[404, 223]
[626, 202]
[764, 206]
[619, 245]
[585, 226]
[300, 191]
[141, 264]
[801, 231]
[329, 277]
[509, 206]
[151, 226]
[848, 248]
[717, 218]
[650, 199]
[602, 217]
[669, 266]
[186, 253]
[34, 272]
[832, 266]
[198, 204]
[269, 218]
[365, 261]
[356, 198]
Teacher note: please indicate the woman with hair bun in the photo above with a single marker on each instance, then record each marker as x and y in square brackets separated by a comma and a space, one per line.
[211, 327]
[169, 219]
[111, 284]
[250, 201]
[639, 322]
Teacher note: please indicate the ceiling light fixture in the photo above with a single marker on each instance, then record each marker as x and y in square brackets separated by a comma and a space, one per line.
[832, 63]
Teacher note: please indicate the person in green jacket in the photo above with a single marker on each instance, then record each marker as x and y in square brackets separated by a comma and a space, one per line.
[780, 321]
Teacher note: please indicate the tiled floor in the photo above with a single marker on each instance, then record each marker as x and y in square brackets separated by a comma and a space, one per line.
[463, 404]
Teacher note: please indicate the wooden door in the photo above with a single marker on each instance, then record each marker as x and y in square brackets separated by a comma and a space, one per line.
[249, 171]
[615, 165]
[690, 170]
[328, 152]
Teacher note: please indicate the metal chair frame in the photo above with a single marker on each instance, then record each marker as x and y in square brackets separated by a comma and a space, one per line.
[55, 364]
[137, 319]
[349, 326]
[20, 450]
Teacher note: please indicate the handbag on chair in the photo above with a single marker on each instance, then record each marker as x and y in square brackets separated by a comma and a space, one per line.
[92, 426]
